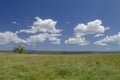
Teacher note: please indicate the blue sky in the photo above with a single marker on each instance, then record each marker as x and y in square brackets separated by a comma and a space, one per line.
[60, 25]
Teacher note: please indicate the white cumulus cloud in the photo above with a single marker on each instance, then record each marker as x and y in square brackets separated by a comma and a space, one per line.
[40, 38]
[43, 30]
[109, 39]
[46, 25]
[79, 41]
[36, 38]
[93, 27]
[7, 37]
[53, 38]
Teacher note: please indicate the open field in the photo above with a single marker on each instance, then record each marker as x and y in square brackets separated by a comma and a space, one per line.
[59, 66]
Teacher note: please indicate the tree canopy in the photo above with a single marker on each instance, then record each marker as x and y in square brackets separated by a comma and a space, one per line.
[19, 49]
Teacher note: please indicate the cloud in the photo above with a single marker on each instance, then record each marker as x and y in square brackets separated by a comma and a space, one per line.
[109, 39]
[36, 39]
[7, 37]
[98, 35]
[43, 30]
[67, 22]
[46, 25]
[53, 38]
[79, 41]
[14, 23]
[39, 38]
[93, 27]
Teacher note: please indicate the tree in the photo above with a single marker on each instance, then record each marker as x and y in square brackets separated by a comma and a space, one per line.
[19, 49]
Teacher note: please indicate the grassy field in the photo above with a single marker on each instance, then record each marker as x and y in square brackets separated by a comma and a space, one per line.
[59, 67]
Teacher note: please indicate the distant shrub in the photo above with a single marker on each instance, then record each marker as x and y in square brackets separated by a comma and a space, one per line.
[19, 49]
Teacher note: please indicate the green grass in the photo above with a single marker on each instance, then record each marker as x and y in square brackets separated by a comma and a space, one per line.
[59, 67]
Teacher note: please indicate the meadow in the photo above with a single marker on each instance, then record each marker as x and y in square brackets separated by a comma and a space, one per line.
[59, 66]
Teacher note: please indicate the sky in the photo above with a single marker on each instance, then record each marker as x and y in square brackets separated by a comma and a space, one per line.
[60, 25]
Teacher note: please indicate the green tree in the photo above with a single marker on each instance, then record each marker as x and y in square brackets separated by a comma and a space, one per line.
[19, 49]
